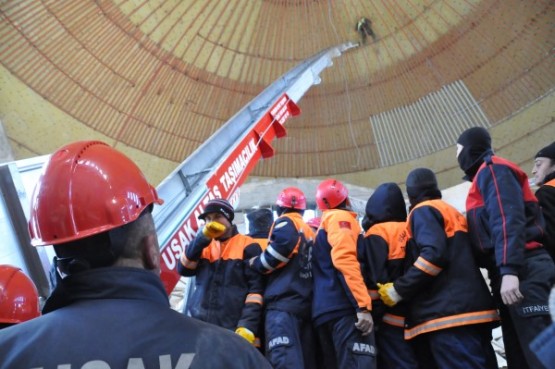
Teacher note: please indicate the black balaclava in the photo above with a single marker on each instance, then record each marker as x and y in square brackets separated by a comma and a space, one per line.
[386, 204]
[260, 222]
[422, 185]
[476, 143]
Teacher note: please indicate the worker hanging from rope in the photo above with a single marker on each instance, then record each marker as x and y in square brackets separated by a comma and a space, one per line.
[364, 28]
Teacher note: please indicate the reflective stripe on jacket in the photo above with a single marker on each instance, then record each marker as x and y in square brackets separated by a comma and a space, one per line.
[444, 287]
[289, 269]
[227, 292]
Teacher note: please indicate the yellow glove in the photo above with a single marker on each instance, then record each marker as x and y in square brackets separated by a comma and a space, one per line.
[213, 229]
[389, 296]
[246, 334]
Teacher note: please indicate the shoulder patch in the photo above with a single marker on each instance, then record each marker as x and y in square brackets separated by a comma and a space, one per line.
[280, 225]
[345, 224]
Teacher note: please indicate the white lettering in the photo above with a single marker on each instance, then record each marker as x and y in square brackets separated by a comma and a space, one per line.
[168, 258]
[278, 105]
[184, 362]
[363, 348]
[135, 363]
[278, 341]
[216, 191]
[96, 364]
[231, 176]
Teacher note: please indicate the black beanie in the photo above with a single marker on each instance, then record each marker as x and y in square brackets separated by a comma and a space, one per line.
[547, 152]
[422, 185]
[218, 206]
[477, 137]
[476, 143]
[260, 220]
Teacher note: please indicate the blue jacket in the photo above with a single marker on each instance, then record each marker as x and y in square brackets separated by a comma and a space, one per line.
[443, 285]
[504, 218]
[339, 287]
[286, 262]
[382, 250]
[227, 292]
[118, 318]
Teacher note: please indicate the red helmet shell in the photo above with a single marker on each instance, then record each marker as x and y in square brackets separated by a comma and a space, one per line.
[330, 193]
[314, 222]
[86, 188]
[19, 299]
[292, 198]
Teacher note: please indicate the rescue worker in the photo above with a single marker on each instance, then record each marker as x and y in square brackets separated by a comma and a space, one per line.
[227, 292]
[341, 304]
[506, 227]
[382, 255]
[19, 298]
[544, 177]
[451, 311]
[364, 29]
[288, 296]
[109, 309]
[260, 223]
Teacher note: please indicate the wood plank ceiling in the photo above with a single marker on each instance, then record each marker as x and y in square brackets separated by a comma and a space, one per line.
[163, 75]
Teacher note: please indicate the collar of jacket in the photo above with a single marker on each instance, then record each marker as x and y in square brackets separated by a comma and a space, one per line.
[549, 177]
[107, 283]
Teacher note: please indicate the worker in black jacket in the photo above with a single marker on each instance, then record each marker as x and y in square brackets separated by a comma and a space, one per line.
[544, 176]
[382, 256]
[288, 294]
[450, 309]
[227, 292]
[507, 228]
[109, 308]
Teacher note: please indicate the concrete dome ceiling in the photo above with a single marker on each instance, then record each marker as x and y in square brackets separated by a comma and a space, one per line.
[161, 76]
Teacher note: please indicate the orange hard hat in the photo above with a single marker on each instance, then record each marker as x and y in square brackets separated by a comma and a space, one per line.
[292, 198]
[330, 193]
[86, 188]
[19, 299]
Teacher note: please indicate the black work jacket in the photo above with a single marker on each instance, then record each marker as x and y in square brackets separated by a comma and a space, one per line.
[546, 198]
[120, 318]
[227, 291]
[443, 285]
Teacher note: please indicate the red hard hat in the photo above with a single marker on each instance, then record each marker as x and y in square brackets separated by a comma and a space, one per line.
[19, 299]
[292, 198]
[330, 193]
[86, 188]
[314, 222]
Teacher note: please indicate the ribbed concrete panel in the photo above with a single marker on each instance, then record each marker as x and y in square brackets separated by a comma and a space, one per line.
[430, 124]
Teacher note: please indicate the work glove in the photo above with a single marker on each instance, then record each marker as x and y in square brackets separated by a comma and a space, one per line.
[246, 334]
[364, 323]
[213, 230]
[510, 292]
[389, 296]
[194, 250]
